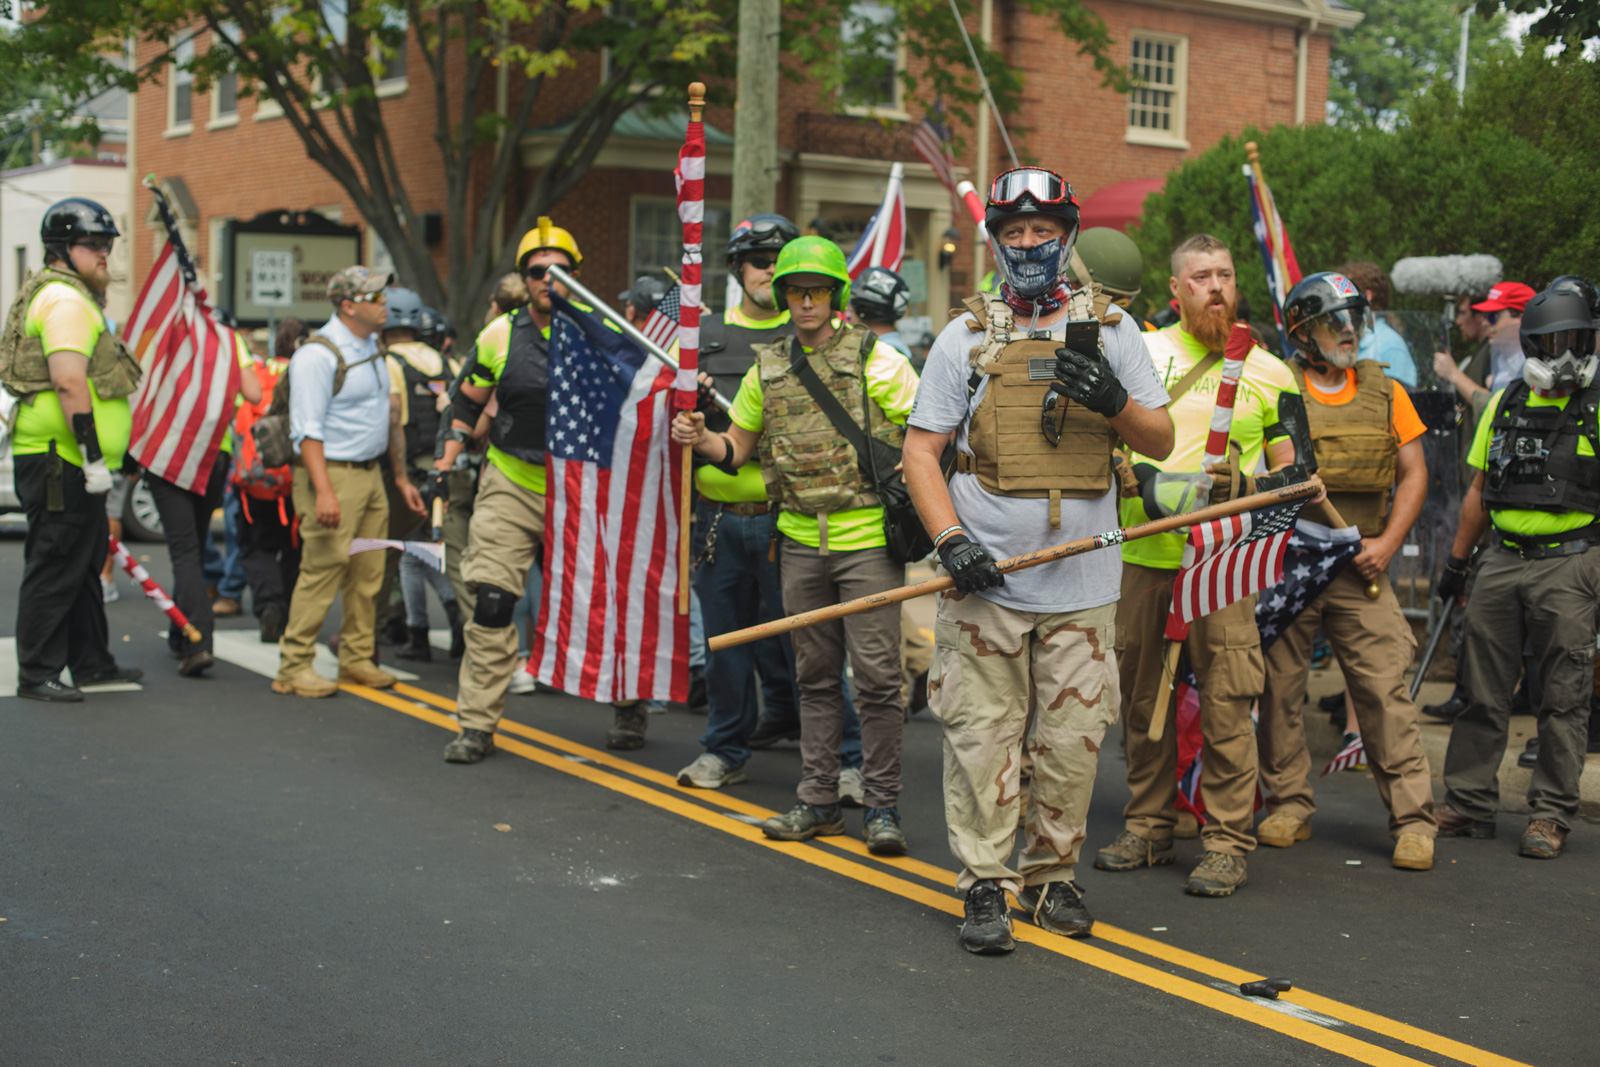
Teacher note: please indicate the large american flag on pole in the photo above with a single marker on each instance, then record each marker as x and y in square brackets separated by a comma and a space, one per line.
[691, 178]
[609, 629]
[184, 403]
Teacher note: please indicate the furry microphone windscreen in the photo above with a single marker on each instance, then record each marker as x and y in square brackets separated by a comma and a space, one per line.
[1447, 275]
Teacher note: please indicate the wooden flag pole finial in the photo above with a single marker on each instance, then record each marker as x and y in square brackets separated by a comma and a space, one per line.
[697, 100]
[1251, 153]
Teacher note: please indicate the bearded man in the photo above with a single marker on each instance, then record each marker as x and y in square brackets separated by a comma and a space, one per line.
[1224, 648]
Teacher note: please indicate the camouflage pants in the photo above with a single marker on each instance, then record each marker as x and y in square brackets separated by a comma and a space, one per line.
[1007, 676]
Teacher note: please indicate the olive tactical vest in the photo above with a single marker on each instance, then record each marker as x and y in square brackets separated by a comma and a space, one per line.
[1010, 454]
[1357, 455]
[808, 466]
[23, 369]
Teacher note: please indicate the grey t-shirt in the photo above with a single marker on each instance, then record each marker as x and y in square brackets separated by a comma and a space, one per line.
[1010, 526]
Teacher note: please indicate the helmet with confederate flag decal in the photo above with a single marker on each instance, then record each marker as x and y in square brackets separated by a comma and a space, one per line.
[1328, 296]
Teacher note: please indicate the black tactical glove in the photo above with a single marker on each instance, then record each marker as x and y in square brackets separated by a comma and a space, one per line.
[970, 567]
[435, 487]
[1089, 380]
[1453, 582]
[705, 399]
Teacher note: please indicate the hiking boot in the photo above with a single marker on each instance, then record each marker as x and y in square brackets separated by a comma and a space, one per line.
[418, 649]
[1188, 827]
[1454, 824]
[1129, 852]
[852, 788]
[364, 673]
[627, 732]
[51, 690]
[1529, 756]
[1450, 710]
[881, 831]
[1542, 840]
[224, 606]
[805, 821]
[458, 635]
[308, 683]
[196, 664]
[987, 929]
[112, 675]
[769, 732]
[711, 772]
[1058, 907]
[272, 621]
[1413, 852]
[1282, 830]
[522, 683]
[393, 632]
[1217, 875]
[469, 746]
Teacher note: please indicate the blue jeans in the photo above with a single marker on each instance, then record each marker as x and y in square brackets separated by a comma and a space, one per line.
[737, 587]
[233, 577]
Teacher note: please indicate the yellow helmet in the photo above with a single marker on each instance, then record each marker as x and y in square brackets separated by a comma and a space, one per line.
[547, 235]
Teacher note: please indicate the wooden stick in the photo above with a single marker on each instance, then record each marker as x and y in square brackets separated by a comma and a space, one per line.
[697, 106]
[1169, 683]
[1289, 493]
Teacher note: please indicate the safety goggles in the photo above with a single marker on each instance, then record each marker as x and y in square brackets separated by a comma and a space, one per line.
[760, 232]
[1553, 346]
[1044, 187]
[1053, 417]
[818, 293]
[758, 261]
[97, 243]
[1341, 321]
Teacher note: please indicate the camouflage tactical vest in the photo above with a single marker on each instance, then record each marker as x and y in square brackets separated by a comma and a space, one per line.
[1010, 454]
[1357, 455]
[23, 370]
[808, 466]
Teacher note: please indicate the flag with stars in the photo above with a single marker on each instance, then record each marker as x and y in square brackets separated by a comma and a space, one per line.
[1314, 557]
[1227, 559]
[609, 629]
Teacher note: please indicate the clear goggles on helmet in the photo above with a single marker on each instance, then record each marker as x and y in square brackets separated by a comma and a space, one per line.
[1043, 186]
[1553, 346]
[1339, 322]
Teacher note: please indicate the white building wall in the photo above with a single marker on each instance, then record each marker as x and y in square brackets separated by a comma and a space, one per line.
[24, 195]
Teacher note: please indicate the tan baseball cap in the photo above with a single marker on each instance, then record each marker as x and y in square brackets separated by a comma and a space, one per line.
[356, 281]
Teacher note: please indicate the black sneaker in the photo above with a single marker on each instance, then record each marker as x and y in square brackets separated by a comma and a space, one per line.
[987, 929]
[1059, 908]
[769, 732]
[53, 690]
[1529, 757]
[272, 622]
[112, 675]
[805, 821]
[469, 746]
[1450, 710]
[881, 831]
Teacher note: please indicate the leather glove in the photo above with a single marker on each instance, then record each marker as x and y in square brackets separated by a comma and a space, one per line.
[1089, 380]
[970, 566]
[704, 399]
[435, 487]
[1453, 582]
[97, 476]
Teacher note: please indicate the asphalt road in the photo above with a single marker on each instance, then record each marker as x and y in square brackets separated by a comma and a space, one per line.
[202, 872]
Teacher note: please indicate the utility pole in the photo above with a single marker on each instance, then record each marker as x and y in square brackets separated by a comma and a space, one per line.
[755, 137]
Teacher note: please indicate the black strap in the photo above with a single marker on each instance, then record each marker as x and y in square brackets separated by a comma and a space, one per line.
[802, 368]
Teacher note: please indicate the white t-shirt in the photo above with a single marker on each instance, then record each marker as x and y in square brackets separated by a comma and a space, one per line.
[1010, 526]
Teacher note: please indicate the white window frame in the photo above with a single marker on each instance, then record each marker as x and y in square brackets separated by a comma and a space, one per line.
[895, 109]
[182, 52]
[1177, 137]
[714, 267]
[216, 230]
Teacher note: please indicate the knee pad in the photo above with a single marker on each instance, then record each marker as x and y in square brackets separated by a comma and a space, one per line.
[495, 607]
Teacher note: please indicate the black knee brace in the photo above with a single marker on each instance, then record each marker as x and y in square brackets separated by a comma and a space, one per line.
[495, 606]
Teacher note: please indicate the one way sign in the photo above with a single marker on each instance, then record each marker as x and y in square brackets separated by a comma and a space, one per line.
[272, 278]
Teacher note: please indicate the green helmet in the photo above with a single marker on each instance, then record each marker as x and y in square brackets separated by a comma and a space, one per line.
[814, 255]
[1113, 261]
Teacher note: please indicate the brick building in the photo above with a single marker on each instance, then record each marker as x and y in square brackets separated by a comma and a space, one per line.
[1209, 68]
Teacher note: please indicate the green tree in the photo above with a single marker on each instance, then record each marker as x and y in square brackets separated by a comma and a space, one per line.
[1399, 49]
[321, 62]
[1557, 20]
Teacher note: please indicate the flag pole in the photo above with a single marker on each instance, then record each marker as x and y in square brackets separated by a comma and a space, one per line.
[692, 196]
[1285, 495]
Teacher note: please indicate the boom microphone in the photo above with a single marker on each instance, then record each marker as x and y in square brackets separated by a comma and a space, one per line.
[1447, 275]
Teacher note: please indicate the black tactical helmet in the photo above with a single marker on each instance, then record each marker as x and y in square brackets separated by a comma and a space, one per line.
[68, 221]
[880, 295]
[1572, 283]
[1318, 296]
[760, 233]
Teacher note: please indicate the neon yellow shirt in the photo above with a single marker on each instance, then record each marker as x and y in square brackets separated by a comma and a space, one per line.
[493, 345]
[747, 485]
[1255, 425]
[892, 384]
[66, 322]
[1516, 520]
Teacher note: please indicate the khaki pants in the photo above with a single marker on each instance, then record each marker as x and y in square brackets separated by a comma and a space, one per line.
[872, 639]
[1001, 670]
[328, 569]
[1375, 645]
[507, 532]
[1224, 650]
[1548, 604]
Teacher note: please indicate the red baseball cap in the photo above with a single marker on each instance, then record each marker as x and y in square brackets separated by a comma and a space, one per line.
[1507, 296]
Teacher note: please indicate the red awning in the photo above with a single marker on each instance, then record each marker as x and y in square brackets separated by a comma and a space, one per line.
[1118, 206]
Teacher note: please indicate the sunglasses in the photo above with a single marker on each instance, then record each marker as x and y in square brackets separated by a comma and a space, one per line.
[98, 243]
[1053, 417]
[759, 262]
[380, 297]
[536, 272]
[1494, 316]
[817, 293]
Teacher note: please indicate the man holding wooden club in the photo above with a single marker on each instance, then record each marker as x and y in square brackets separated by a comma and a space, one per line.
[1037, 390]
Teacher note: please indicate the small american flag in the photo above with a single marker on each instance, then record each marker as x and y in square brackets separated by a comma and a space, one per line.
[1228, 559]
[1352, 755]
[931, 139]
[662, 325]
[609, 629]
[1315, 556]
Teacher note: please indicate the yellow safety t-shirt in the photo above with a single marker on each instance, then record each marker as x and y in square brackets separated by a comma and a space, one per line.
[747, 485]
[66, 322]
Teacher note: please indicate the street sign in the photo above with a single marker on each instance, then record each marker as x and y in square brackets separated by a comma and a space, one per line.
[272, 277]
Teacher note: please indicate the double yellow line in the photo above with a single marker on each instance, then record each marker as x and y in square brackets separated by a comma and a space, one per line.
[1305, 1016]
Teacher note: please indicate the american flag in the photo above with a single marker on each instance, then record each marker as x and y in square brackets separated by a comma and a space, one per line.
[429, 552]
[691, 178]
[609, 629]
[1229, 558]
[662, 324]
[931, 139]
[1351, 755]
[883, 242]
[1315, 556]
[1277, 254]
[184, 403]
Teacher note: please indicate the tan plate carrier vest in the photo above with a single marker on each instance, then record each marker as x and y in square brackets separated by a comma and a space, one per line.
[1357, 455]
[807, 464]
[1010, 454]
[23, 369]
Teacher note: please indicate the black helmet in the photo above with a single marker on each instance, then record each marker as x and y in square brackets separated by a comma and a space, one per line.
[1558, 340]
[1027, 190]
[435, 328]
[69, 221]
[1572, 283]
[880, 295]
[644, 295]
[760, 233]
[1321, 296]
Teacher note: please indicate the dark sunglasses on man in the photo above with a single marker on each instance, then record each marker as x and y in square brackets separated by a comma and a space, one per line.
[96, 243]
[758, 261]
[536, 271]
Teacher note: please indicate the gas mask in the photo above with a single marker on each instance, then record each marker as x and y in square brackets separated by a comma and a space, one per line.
[1564, 360]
